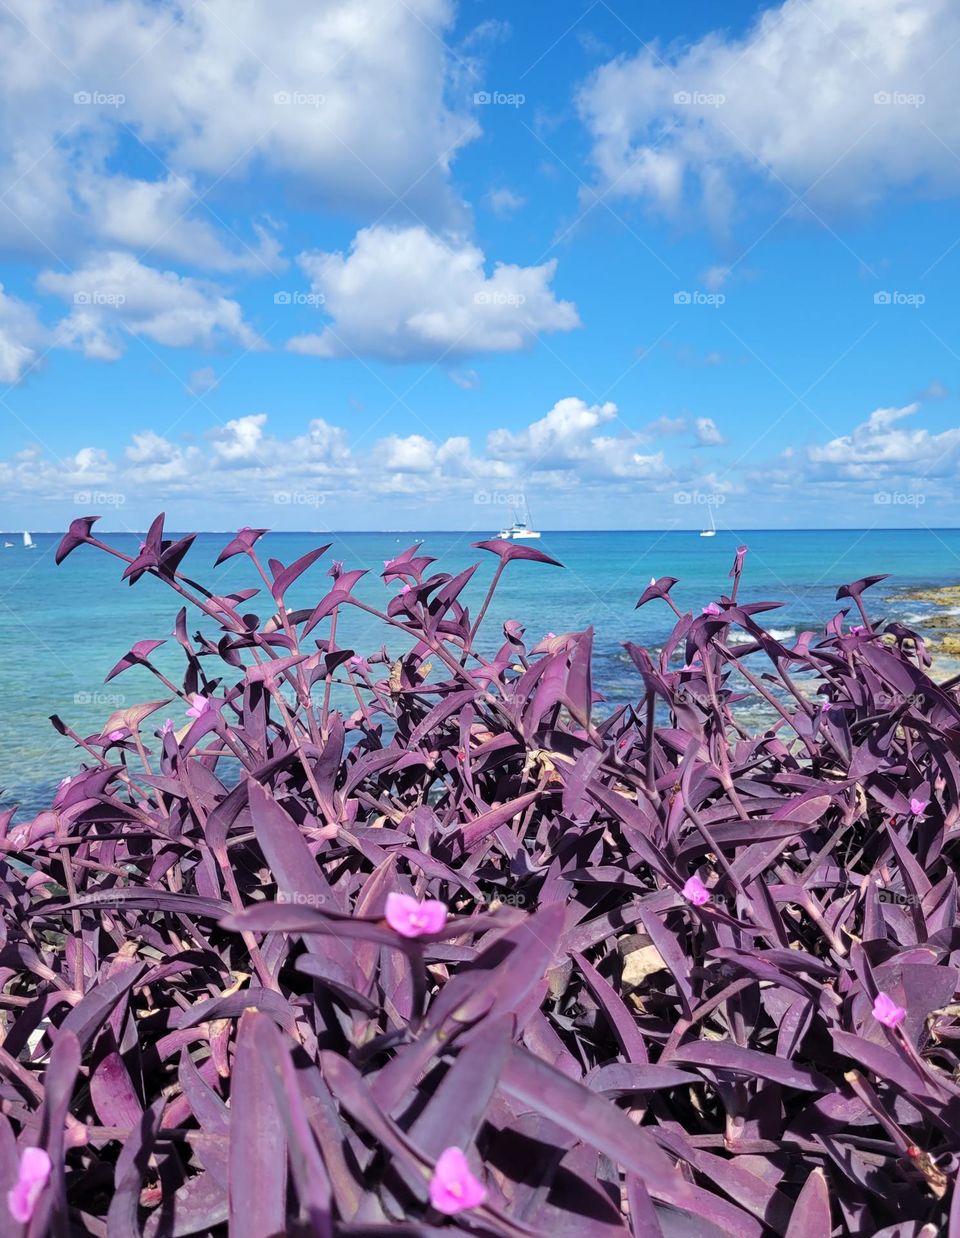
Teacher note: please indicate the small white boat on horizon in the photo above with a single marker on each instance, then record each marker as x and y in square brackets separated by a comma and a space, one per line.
[520, 530]
[28, 542]
[712, 531]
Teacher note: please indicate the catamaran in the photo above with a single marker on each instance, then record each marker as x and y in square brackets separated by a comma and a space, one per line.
[28, 542]
[520, 529]
[712, 531]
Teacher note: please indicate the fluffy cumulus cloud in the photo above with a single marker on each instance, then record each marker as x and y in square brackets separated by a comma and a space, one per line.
[407, 294]
[115, 294]
[889, 468]
[346, 98]
[707, 433]
[586, 439]
[884, 446]
[574, 445]
[839, 100]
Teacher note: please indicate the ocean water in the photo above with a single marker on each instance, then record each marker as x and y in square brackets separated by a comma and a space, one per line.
[63, 628]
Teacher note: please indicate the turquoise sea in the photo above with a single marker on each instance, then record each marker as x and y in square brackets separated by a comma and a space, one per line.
[63, 628]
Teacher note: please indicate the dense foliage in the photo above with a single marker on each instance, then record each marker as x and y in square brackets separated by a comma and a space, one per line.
[472, 956]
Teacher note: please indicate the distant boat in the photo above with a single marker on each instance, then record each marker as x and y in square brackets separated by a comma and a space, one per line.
[7, 545]
[712, 531]
[28, 542]
[520, 529]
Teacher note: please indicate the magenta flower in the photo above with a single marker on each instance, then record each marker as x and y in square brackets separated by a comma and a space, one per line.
[199, 706]
[411, 918]
[694, 891]
[114, 736]
[453, 1188]
[917, 805]
[33, 1177]
[711, 609]
[887, 1012]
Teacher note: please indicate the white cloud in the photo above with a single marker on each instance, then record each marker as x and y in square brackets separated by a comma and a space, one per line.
[568, 439]
[848, 100]
[405, 294]
[20, 337]
[881, 447]
[345, 99]
[154, 459]
[504, 202]
[707, 433]
[168, 219]
[115, 293]
[466, 380]
[238, 442]
[203, 380]
[574, 446]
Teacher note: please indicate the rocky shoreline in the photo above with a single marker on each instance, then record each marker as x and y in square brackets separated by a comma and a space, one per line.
[941, 628]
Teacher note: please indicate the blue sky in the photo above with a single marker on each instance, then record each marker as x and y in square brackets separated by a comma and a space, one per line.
[396, 263]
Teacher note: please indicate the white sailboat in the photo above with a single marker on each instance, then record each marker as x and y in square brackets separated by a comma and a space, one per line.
[520, 530]
[712, 531]
[28, 542]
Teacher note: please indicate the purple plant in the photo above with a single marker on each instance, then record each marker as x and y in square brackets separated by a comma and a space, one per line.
[473, 957]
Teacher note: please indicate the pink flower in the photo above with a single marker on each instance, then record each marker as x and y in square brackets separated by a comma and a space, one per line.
[917, 805]
[453, 1188]
[114, 736]
[887, 1012]
[167, 728]
[694, 891]
[33, 1177]
[711, 609]
[358, 663]
[411, 918]
[199, 706]
[857, 629]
